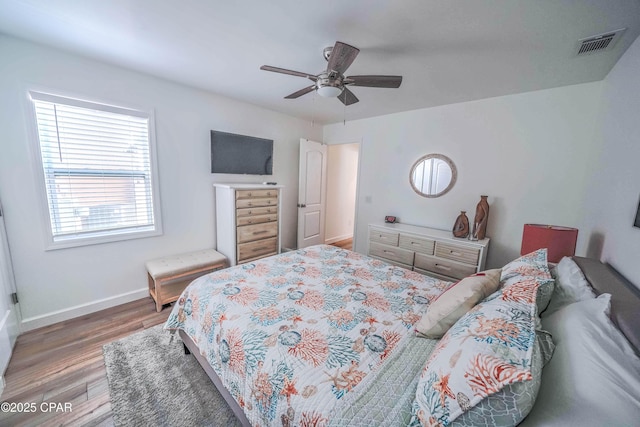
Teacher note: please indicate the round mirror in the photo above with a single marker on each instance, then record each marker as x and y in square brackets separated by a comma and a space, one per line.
[433, 175]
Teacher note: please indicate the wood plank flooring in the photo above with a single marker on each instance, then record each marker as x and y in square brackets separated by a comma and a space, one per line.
[344, 244]
[63, 363]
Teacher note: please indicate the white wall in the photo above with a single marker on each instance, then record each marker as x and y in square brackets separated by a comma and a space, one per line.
[534, 154]
[614, 193]
[50, 283]
[531, 153]
[342, 178]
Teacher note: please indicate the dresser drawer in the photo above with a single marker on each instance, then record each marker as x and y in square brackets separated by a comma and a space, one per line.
[256, 194]
[256, 219]
[386, 237]
[443, 266]
[400, 255]
[251, 203]
[249, 233]
[256, 211]
[418, 244]
[388, 261]
[261, 248]
[457, 253]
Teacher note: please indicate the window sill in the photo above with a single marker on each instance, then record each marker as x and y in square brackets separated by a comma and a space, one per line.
[99, 238]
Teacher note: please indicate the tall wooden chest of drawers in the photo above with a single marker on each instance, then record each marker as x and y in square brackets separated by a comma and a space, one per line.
[247, 221]
[427, 250]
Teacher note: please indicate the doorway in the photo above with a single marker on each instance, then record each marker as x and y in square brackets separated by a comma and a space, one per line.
[342, 185]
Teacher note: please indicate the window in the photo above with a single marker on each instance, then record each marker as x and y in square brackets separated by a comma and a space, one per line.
[98, 170]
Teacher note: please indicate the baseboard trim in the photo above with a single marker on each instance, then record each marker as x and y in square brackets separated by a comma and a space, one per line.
[337, 239]
[31, 323]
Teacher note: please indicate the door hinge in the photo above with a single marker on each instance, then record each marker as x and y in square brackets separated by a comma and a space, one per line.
[14, 297]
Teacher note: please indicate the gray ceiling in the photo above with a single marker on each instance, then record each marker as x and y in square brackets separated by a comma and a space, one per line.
[448, 51]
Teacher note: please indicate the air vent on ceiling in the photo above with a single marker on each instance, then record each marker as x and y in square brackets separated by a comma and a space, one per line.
[598, 43]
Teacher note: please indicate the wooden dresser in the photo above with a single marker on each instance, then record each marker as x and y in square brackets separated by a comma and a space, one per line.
[247, 221]
[427, 250]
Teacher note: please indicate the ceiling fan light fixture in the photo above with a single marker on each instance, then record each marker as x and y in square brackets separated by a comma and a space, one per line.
[329, 91]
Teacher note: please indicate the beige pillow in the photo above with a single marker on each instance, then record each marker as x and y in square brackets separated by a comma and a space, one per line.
[456, 301]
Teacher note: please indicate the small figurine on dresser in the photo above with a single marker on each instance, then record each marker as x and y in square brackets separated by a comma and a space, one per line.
[480, 221]
[461, 226]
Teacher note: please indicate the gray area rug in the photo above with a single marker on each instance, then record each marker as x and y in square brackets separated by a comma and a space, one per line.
[152, 382]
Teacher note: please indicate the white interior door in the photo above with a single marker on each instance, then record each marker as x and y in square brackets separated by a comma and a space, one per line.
[9, 316]
[312, 187]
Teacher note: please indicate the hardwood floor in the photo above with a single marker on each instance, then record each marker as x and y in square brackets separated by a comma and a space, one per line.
[63, 363]
[344, 244]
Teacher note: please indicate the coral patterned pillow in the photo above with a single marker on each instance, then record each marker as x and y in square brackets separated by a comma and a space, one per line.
[531, 266]
[488, 349]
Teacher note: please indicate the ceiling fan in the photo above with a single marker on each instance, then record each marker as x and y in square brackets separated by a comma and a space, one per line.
[332, 82]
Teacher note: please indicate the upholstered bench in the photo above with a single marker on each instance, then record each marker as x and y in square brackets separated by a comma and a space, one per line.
[169, 276]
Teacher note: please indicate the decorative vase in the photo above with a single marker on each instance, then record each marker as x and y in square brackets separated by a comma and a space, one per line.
[480, 220]
[461, 226]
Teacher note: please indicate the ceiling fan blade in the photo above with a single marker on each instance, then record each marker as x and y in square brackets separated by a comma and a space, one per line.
[347, 97]
[290, 72]
[341, 57]
[301, 92]
[374, 81]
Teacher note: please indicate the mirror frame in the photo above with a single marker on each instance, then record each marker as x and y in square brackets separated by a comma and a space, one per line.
[454, 174]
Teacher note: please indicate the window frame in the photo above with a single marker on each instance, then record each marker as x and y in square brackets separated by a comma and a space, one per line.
[52, 242]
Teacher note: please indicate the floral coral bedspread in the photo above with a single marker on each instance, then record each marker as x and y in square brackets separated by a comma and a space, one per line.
[291, 335]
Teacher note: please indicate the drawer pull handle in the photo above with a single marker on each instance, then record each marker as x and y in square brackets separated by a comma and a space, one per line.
[455, 253]
[443, 267]
[388, 252]
[259, 249]
[260, 232]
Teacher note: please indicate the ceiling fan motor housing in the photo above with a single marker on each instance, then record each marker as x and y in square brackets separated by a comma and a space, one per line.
[325, 80]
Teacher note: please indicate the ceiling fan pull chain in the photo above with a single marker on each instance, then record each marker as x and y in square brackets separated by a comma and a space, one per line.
[313, 110]
[344, 113]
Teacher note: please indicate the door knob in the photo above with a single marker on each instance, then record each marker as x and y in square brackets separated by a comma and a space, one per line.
[302, 205]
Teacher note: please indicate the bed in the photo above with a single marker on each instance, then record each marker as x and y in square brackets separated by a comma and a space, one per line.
[327, 336]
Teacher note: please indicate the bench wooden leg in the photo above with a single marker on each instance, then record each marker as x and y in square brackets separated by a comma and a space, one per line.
[154, 292]
[158, 299]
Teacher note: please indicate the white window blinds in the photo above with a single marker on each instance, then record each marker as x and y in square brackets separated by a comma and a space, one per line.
[96, 161]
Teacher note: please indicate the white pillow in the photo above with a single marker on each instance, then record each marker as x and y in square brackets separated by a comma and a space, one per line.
[456, 301]
[571, 286]
[593, 378]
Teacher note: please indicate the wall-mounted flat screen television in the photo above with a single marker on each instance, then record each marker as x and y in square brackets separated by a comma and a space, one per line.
[241, 154]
